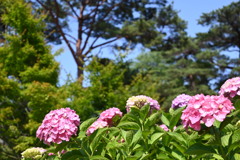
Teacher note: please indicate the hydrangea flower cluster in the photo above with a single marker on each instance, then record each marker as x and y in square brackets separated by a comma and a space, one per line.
[33, 153]
[58, 125]
[140, 101]
[181, 101]
[105, 119]
[109, 114]
[205, 109]
[231, 88]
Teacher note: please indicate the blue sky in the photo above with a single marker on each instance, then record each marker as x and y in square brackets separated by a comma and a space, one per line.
[189, 10]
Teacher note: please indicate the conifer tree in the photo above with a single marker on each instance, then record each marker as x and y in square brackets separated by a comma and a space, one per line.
[100, 23]
[224, 32]
[29, 75]
[223, 35]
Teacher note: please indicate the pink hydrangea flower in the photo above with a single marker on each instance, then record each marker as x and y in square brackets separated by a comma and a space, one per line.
[96, 125]
[140, 101]
[205, 110]
[231, 88]
[105, 119]
[181, 101]
[164, 127]
[109, 114]
[58, 125]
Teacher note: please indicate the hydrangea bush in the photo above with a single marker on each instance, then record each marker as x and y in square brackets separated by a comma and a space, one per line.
[195, 127]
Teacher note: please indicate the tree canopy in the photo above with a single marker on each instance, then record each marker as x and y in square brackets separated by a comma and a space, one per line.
[102, 22]
[223, 35]
[224, 26]
[25, 61]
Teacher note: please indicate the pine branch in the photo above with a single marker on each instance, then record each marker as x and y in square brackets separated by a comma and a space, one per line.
[91, 28]
[72, 8]
[59, 27]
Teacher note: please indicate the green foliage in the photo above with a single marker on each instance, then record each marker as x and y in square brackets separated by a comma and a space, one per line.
[110, 84]
[160, 32]
[106, 89]
[10, 115]
[187, 69]
[25, 54]
[28, 79]
[41, 97]
[106, 79]
[119, 142]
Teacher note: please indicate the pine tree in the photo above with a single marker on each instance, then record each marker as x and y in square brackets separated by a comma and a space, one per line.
[224, 23]
[100, 23]
[223, 35]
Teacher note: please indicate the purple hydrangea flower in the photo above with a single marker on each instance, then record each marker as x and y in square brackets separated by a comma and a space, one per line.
[181, 101]
[58, 125]
[231, 88]
[140, 101]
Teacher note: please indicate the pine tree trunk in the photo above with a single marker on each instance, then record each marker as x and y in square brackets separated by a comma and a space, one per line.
[80, 74]
[192, 82]
[80, 69]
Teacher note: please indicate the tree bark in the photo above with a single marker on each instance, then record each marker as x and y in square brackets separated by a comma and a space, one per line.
[80, 68]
